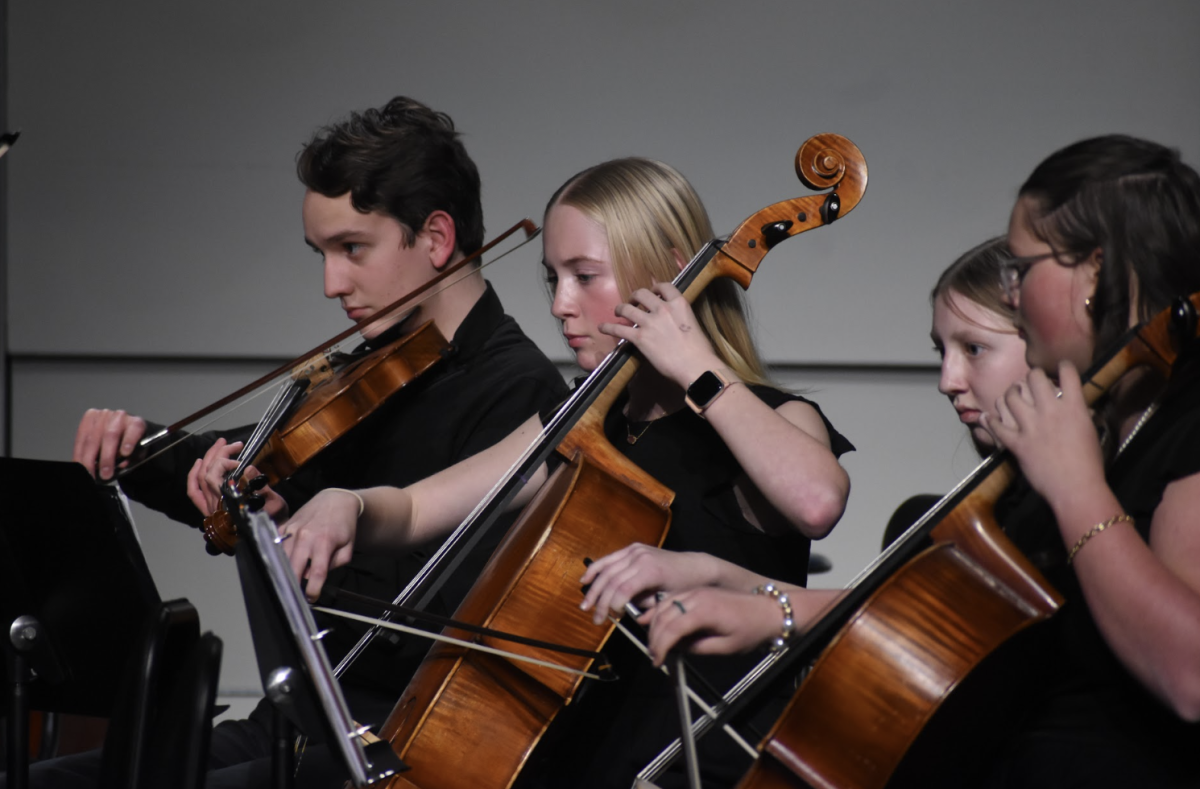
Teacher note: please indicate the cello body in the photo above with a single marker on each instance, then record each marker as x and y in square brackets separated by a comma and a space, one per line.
[449, 711]
[902, 654]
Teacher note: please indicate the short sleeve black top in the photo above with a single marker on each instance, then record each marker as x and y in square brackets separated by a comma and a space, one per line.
[1089, 703]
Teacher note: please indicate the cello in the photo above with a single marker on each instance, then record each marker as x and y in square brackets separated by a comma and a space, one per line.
[907, 638]
[470, 720]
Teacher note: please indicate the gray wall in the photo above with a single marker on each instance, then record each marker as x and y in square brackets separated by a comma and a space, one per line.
[154, 243]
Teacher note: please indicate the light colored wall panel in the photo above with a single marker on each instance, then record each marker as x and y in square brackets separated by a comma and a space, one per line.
[154, 186]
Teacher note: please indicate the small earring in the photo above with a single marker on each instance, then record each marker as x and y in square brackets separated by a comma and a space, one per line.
[1087, 305]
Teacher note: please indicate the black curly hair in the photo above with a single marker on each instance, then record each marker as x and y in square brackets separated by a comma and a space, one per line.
[403, 160]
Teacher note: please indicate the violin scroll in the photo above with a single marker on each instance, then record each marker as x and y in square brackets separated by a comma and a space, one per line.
[220, 534]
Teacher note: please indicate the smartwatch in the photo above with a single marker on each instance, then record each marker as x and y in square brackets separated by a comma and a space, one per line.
[705, 390]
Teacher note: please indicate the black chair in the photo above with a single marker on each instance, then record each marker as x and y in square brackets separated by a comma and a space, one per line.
[168, 641]
[178, 753]
[908, 513]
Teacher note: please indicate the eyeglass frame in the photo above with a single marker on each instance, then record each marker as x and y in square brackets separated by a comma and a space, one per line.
[1013, 271]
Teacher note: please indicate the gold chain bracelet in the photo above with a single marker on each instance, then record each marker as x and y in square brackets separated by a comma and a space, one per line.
[1092, 532]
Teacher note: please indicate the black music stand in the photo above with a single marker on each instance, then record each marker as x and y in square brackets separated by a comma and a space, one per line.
[295, 671]
[72, 576]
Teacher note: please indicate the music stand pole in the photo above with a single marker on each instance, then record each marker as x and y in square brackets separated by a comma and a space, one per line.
[283, 749]
[22, 639]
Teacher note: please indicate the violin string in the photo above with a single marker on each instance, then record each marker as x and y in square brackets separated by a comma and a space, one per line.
[200, 425]
[251, 445]
[456, 641]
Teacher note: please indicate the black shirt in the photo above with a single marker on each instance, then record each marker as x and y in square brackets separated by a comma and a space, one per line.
[1091, 722]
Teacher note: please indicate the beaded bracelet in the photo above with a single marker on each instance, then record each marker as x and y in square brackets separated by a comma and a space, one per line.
[1092, 532]
[789, 623]
[362, 505]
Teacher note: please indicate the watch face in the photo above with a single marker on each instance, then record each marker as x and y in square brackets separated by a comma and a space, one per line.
[704, 389]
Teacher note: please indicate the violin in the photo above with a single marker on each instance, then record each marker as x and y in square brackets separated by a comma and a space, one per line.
[333, 402]
[595, 502]
[330, 393]
[911, 634]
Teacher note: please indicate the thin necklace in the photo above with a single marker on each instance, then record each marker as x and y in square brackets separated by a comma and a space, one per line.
[632, 437]
[1150, 409]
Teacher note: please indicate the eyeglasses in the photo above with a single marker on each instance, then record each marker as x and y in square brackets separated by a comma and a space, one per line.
[1013, 272]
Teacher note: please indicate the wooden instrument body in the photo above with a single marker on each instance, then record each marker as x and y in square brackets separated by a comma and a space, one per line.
[358, 389]
[334, 407]
[363, 389]
[448, 714]
[902, 654]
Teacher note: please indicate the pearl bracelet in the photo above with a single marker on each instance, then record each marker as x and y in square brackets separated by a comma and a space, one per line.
[789, 623]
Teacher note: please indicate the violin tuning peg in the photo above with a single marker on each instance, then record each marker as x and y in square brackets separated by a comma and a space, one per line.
[257, 484]
[255, 502]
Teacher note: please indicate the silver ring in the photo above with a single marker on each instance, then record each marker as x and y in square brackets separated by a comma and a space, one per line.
[679, 605]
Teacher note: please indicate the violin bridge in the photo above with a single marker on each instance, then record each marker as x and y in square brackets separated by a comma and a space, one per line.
[316, 369]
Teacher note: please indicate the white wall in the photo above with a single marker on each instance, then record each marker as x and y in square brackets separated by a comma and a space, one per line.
[154, 215]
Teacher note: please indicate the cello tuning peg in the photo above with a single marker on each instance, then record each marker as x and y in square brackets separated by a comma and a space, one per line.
[775, 232]
[831, 209]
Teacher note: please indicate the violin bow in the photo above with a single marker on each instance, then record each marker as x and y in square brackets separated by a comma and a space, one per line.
[531, 231]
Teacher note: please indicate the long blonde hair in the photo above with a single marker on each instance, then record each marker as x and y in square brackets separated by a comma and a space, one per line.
[651, 215]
